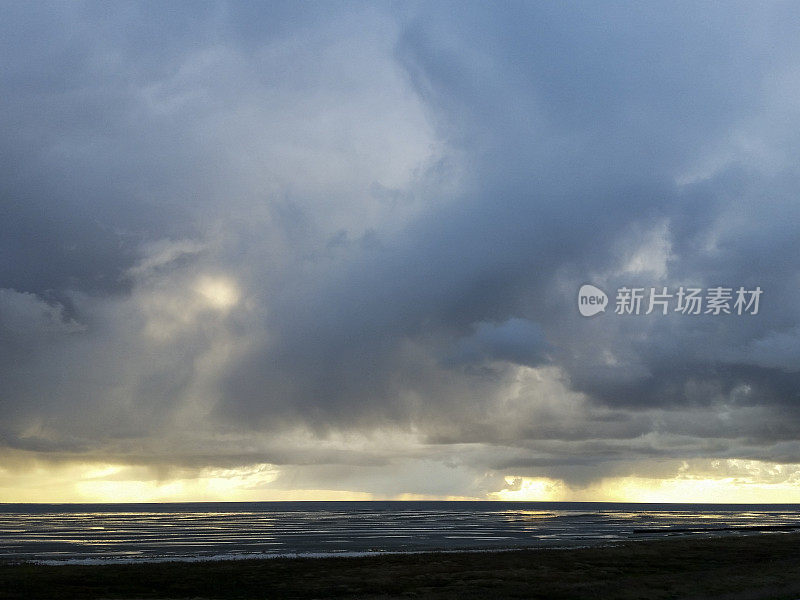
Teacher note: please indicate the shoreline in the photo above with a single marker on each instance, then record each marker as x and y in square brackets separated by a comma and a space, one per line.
[678, 533]
[747, 567]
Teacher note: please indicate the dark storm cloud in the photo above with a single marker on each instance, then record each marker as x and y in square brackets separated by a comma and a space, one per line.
[623, 144]
[82, 175]
[574, 125]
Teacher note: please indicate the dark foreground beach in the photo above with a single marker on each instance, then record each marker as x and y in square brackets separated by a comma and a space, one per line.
[733, 567]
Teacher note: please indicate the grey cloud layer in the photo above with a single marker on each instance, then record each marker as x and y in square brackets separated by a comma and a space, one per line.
[404, 200]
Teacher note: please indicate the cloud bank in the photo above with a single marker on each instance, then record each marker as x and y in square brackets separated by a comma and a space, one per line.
[343, 242]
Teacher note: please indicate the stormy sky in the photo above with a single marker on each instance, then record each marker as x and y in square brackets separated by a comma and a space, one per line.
[333, 250]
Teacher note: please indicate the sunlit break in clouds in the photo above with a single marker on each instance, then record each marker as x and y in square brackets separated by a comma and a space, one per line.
[285, 251]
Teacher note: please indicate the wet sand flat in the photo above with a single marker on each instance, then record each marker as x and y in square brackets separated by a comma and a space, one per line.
[730, 567]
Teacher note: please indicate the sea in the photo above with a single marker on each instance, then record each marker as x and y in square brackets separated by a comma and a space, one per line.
[124, 533]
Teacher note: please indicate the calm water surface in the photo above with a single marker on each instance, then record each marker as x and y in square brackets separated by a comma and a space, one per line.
[191, 531]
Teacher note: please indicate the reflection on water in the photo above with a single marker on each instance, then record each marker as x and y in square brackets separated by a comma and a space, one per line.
[201, 530]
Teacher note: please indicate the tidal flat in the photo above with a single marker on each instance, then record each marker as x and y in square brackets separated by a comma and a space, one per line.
[741, 567]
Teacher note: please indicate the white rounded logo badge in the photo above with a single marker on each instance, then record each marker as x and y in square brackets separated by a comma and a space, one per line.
[591, 300]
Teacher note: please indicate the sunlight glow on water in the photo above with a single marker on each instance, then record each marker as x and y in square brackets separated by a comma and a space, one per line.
[236, 530]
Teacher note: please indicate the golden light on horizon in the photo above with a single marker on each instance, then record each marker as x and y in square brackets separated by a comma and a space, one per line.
[36, 481]
[539, 489]
[756, 482]
[103, 482]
